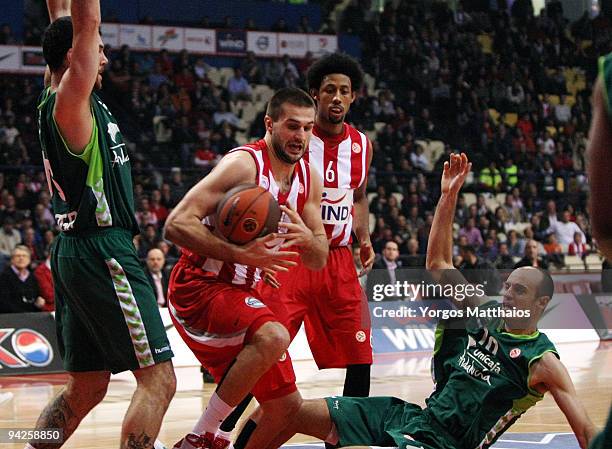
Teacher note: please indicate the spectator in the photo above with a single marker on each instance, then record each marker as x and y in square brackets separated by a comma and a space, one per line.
[42, 273]
[223, 115]
[578, 247]
[385, 270]
[238, 87]
[479, 271]
[532, 258]
[472, 233]
[251, 68]
[563, 112]
[31, 242]
[19, 292]
[9, 237]
[554, 251]
[504, 260]
[157, 276]
[565, 229]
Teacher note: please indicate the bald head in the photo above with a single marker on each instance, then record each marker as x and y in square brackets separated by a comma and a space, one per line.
[155, 260]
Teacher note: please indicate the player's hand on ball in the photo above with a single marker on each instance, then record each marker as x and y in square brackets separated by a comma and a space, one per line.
[261, 253]
[367, 257]
[456, 170]
[298, 234]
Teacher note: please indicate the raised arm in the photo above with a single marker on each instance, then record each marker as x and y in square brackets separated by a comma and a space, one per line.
[599, 167]
[549, 374]
[361, 220]
[307, 232]
[85, 61]
[440, 243]
[57, 9]
[184, 225]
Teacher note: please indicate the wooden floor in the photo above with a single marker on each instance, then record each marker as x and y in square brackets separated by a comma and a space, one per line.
[589, 364]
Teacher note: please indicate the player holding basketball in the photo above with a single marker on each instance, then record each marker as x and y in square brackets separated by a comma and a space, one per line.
[599, 167]
[231, 329]
[106, 313]
[331, 301]
[486, 373]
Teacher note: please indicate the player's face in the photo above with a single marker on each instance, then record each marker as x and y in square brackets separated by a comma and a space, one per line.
[334, 98]
[521, 292]
[291, 132]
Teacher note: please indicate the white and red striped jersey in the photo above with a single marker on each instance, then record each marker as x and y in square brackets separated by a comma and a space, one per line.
[342, 163]
[244, 275]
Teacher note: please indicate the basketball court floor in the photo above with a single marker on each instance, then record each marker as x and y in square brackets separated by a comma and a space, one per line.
[405, 376]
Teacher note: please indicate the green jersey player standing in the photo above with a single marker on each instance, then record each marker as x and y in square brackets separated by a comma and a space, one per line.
[106, 313]
[487, 373]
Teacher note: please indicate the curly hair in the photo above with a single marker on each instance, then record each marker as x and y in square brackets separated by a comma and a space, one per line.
[335, 63]
[56, 42]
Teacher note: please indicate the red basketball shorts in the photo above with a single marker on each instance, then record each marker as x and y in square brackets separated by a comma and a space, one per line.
[216, 320]
[333, 307]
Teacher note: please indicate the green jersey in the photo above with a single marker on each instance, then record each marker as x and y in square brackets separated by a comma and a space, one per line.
[481, 377]
[92, 190]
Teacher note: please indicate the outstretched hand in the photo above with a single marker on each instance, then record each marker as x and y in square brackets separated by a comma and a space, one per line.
[456, 170]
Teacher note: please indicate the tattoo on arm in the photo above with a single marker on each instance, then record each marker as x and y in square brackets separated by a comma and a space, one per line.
[142, 441]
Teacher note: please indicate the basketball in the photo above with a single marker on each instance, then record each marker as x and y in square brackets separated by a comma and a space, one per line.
[247, 212]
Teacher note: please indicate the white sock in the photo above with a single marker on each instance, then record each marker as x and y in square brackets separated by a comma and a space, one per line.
[159, 445]
[213, 416]
[227, 436]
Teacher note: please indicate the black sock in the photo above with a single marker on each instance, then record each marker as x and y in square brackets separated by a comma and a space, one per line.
[357, 381]
[230, 422]
[246, 433]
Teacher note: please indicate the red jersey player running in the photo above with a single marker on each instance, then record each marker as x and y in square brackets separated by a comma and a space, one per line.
[232, 330]
[330, 301]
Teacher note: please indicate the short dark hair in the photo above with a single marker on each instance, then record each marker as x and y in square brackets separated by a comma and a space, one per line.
[291, 95]
[546, 287]
[335, 63]
[56, 42]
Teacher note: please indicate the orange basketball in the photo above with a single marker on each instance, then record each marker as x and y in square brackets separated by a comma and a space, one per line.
[247, 212]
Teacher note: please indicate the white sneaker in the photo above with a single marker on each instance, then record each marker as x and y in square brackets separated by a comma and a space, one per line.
[5, 397]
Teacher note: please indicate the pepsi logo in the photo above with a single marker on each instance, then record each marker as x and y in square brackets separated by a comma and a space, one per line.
[32, 347]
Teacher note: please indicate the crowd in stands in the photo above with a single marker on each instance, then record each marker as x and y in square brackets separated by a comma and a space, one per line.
[511, 90]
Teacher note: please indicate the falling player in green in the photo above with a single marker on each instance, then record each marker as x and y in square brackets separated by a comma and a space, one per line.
[487, 373]
[106, 313]
[599, 168]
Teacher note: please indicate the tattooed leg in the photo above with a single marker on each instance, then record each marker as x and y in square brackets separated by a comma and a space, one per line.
[82, 393]
[156, 386]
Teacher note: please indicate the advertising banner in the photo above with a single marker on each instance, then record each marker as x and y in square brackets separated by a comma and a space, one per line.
[170, 38]
[110, 34]
[137, 37]
[28, 344]
[232, 42]
[292, 44]
[262, 43]
[32, 60]
[200, 40]
[9, 58]
[319, 44]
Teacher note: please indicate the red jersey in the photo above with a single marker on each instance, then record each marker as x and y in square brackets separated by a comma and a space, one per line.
[244, 275]
[342, 163]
